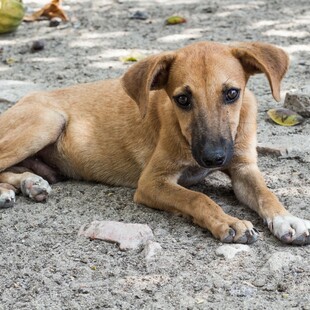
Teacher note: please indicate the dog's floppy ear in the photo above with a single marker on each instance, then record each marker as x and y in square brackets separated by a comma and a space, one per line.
[258, 57]
[148, 74]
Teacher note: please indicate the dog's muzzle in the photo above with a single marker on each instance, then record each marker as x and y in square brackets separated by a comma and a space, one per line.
[211, 155]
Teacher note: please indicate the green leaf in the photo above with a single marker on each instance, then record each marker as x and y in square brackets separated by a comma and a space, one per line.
[175, 20]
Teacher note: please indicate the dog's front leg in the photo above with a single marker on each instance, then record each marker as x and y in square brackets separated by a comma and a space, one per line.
[163, 192]
[250, 188]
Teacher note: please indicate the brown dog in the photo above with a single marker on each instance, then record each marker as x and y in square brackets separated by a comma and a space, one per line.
[194, 115]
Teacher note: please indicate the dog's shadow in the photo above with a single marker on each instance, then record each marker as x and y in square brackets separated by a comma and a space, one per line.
[218, 187]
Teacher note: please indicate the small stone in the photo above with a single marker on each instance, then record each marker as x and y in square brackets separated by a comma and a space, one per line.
[11, 91]
[229, 251]
[152, 250]
[299, 102]
[279, 260]
[139, 15]
[37, 46]
[259, 282]
[270, 149]
[54, 22]
[242, 291]
[209, 9]
[129, 236]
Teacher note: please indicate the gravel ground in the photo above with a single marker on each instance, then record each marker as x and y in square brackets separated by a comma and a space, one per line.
[44, 265]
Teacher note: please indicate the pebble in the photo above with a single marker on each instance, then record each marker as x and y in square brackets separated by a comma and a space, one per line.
[279, 260]
[139, 15]
[242, 291]
[298, 102]
[129, 236]
[54, 22]
[270, 149]
[286, 146]
[229, 251]
[151, 250]
[259, 282]
[37, 46]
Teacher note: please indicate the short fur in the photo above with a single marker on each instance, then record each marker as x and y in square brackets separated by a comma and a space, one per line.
[132, 132]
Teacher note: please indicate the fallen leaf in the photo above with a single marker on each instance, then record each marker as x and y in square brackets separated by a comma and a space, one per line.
[132, 57]
[49, 11]
[10, 61]
[175, 20]
[285, 117]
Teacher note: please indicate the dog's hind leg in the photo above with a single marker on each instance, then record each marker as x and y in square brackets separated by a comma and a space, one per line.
[25, 129]
[30, 184]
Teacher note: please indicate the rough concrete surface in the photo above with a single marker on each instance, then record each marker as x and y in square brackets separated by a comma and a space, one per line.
[44, 265]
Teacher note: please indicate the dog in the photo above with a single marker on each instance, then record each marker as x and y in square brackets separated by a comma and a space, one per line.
[168, 122]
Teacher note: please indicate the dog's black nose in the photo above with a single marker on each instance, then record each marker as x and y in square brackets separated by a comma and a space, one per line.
[215, 158]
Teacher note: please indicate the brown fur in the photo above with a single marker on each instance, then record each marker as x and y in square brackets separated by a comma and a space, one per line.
[97, 132]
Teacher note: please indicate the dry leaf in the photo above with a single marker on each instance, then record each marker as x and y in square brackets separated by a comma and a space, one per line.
[285, 117]
[174, 20]
[132, 57]
[49, 11]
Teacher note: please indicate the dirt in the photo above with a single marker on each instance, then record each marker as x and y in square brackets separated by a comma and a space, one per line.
[44, 265]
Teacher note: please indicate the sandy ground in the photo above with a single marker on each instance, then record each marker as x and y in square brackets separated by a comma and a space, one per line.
[44, 265]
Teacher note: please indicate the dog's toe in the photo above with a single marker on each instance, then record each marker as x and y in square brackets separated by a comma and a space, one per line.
[241, 232]
[230, 237]
[35, 188]
[302, 240]
[7, 198]
[290, 229]
[250, 236]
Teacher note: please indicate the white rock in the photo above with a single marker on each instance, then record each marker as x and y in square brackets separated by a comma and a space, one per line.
[230, 250]
[11, 91]
[151, 250]
[128, 236]
[278, 260]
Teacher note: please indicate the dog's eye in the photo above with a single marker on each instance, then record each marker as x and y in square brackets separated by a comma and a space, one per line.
[231, 95]
[183, 102]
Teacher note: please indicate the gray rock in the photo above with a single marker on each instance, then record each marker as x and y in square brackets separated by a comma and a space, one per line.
[139, 15]
[286, 146]
[242, 290]
[271, 149]
[228, 251]
[152, 250]
[128, 236]
[11, 91]
[279, 260]
[299, 102]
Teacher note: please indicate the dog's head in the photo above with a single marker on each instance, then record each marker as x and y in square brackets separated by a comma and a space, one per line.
[205, 83]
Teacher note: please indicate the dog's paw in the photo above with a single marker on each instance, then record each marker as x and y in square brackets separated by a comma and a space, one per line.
[290, 229]
[35, 187]
[241, 232]
[7, 198]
